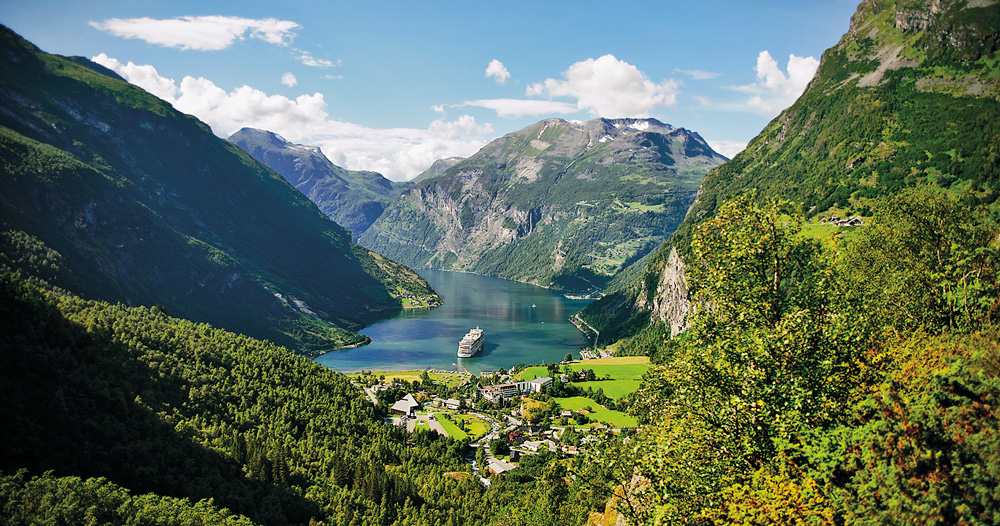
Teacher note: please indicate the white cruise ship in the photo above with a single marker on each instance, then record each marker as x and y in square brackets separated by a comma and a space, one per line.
[471, 343]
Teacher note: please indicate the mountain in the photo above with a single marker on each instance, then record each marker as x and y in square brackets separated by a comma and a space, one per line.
[439, 167]
[909, 96]
[561, 204]
[147, 206]
[354, 199]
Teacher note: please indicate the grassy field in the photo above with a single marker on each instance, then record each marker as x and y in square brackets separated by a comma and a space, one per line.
[450, 379]
[827, 234]
[596, 411]
[625, 371]
[450, 427]
[477, 426]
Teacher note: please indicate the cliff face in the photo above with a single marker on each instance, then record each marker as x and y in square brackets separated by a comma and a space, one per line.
[910, 95]
[560, 204]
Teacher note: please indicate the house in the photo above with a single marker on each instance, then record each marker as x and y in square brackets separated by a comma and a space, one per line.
[497, 466]
[535, 445]
[452, 403]
[406, 406]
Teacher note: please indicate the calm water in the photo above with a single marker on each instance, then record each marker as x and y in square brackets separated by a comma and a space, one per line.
[516, 332]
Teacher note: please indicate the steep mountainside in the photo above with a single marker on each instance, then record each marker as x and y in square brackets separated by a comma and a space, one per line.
[354, 199]
[561, 204]
[439, 167]
[148, 207]
[909, 96]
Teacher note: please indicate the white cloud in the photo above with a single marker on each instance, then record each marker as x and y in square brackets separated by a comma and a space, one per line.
[398, 153]
[520, 107]
[200, 33]
[438, 108]
[308, 59]
[774, 89]
[498, 71]
[609, 87]
[727, 148]
[698, 74]
[289, 80]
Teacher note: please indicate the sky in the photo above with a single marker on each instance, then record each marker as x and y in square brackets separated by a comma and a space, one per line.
[393, 86]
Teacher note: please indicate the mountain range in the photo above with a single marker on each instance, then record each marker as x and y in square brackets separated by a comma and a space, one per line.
[560, 204]
[146, 206]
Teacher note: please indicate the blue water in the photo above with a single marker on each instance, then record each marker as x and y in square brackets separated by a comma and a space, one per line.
[516, 332]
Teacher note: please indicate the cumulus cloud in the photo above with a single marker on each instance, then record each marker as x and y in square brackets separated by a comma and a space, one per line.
[726, 147]
[520, 107]
[437, 108]
[289, 80]
[609, 87]
[398, 153]
[775, 89]
[200, 33]
[497, 71]
[698, 74]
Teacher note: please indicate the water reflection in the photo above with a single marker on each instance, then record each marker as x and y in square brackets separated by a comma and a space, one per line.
[523, 323]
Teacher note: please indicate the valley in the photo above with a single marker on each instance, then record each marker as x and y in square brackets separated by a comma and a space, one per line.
[518, 296]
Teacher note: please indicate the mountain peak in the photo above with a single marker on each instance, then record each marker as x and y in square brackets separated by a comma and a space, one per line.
[255, 135]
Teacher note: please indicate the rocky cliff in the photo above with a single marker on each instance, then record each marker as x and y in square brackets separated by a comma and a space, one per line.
[560, 204]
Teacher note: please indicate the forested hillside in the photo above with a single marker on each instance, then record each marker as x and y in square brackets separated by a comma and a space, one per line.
[909, 96]
[148, 207]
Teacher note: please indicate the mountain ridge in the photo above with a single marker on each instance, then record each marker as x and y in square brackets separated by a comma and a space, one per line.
[352, 198]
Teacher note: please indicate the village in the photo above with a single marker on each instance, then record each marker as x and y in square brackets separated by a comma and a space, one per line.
[505, 416]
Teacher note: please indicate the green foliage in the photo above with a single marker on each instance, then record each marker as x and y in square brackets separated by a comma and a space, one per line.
[927, 260]
[791, 391]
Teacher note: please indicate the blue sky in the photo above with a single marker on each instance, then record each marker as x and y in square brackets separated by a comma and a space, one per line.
[368, 76]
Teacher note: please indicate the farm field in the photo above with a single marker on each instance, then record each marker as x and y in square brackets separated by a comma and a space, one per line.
[413, 375]
[596, 411]
[625, 371]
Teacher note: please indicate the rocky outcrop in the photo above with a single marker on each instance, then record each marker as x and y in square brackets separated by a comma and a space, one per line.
[670, 303]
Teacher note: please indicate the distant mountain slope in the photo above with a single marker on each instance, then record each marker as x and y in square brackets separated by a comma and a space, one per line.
[148, 207]
[909, 96]
[354, 199]
[438, 168]
[559, 203]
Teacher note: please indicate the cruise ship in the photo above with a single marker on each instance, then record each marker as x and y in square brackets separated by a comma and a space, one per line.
[471, 343]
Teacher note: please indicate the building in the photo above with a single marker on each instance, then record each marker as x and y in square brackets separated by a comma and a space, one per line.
[539, 383]
[406, 406]
[497, 466]
[452, 403]
[500, 392]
